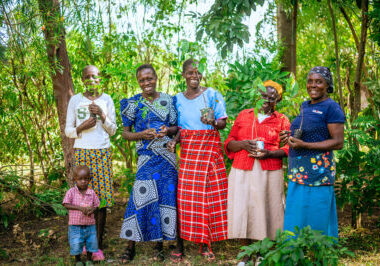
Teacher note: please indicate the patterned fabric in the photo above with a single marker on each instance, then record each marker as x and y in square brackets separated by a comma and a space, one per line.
[318, 170]
[189, 111]
[326, 75]
[246, 126]
[100, 163]
[151, 213]
[202, 187]
[75, 197]
[314, 206]
[314, 167]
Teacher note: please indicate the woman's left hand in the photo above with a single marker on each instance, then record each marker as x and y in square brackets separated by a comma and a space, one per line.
[95, 109]
[163, 131]
[261, 154]
[296, 143]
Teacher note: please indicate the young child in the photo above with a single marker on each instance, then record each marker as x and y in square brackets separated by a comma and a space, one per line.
[81, 201]
[91, 121]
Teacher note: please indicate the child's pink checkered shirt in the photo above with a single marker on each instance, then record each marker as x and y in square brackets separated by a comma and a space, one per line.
[75, 197]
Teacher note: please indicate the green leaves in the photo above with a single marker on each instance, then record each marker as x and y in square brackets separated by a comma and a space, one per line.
[304, 247]
[223, 23]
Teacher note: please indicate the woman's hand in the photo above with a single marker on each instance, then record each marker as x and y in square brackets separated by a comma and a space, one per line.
[89, 123]
[171, 145]
[95, 109]
[284, 136]
[148, 134]
[261, 154]
[207, 121]
[296, 143]
[163, 131]
[248, 145]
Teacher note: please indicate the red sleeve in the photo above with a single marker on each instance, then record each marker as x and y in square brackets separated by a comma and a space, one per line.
[285, 125]
[68, 199]
[233, 135]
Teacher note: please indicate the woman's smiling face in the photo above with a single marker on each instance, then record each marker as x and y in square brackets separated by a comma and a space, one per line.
[270, 97]
[192, 76]
[316, 87]
[147, 81]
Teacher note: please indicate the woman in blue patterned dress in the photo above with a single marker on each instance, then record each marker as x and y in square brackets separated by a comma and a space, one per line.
[311, 199]
[151, 213]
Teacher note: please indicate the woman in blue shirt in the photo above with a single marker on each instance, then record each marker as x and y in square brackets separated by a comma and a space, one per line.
[311, 198]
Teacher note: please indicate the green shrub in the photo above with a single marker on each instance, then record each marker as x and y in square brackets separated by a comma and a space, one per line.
[303, 247]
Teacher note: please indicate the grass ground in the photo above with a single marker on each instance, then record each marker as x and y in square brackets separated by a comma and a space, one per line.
[44, 242]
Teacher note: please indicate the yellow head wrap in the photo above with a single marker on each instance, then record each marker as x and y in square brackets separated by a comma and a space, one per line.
[278, 87]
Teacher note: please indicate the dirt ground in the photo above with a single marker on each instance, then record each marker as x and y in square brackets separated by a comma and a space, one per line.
[44, 242]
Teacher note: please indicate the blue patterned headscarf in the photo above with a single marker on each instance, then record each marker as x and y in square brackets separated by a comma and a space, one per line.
[326, 74]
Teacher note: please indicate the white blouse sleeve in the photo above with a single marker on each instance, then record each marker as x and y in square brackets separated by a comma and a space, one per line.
[109, 124]
[70, 129]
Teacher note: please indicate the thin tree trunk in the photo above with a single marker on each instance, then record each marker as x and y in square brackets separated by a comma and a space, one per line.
[336, 55]
[359, 68]
[60, 75]
[287, 35]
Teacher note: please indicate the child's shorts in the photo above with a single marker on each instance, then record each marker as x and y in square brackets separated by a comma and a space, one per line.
[82, 235]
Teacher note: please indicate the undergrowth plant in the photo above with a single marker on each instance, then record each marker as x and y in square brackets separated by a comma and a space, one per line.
[303, 247]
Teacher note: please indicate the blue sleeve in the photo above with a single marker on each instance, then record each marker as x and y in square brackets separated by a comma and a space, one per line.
[173, 112]
[128, 111]
[335, 114]
[218, 105]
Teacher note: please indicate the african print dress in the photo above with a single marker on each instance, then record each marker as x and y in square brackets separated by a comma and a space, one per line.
[151, 213]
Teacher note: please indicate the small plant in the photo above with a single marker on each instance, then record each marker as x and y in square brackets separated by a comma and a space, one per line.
[303, 247]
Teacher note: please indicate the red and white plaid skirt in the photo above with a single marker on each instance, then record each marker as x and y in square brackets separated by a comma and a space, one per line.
[202, 187]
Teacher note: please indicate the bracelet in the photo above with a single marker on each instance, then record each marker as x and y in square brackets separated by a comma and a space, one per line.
[215, 123]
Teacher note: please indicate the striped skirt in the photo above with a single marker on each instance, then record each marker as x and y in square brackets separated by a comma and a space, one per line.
[202, 187]
[100, 163]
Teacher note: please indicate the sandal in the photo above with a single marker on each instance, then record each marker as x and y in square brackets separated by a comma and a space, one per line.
[176, 257]
[98, 256]
[207, 254]
[128, 255]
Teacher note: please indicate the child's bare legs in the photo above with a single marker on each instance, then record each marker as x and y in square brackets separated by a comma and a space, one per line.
[89, 256]
[100, 217]
[77, 258]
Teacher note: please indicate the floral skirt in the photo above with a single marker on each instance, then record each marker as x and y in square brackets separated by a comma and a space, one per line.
[100, 163]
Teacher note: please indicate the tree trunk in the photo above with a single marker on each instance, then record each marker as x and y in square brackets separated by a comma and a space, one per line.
[287, 35]
[60, 74]
[336, 55]
[359, 65]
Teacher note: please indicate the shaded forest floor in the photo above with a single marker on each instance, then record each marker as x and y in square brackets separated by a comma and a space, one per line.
[44, 242]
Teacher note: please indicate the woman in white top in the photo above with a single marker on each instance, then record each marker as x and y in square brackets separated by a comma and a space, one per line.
[91, 121]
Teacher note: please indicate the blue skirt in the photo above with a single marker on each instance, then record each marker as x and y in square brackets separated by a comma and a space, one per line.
[151, 213]
[314, 206]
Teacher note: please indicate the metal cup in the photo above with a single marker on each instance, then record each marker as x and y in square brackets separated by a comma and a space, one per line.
[260, 144]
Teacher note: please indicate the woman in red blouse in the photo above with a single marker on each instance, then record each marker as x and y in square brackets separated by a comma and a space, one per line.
[255, 183]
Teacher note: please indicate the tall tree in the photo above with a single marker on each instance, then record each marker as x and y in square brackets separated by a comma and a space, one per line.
[287, 36]
[54, 33]
[359, 65]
